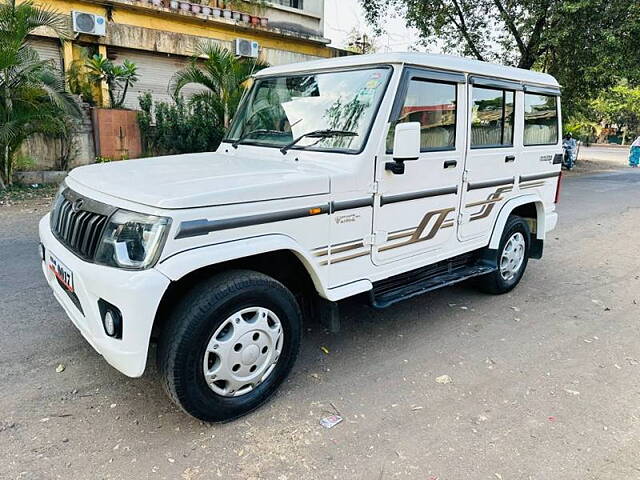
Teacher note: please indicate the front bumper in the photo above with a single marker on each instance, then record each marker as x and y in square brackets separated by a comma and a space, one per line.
[136, 293]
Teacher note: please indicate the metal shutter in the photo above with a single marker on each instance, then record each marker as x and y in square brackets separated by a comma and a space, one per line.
[154, 72]
[48, 49]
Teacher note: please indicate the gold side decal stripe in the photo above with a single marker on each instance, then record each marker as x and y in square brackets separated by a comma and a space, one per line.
[415, 235]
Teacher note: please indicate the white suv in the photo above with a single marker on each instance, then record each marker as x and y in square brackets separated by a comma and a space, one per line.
[391, 175]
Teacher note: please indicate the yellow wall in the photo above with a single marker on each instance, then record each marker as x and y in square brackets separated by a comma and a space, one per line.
[162, 19]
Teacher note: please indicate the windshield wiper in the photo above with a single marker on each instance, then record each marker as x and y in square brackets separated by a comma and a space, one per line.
[260, 131]
[319, 134]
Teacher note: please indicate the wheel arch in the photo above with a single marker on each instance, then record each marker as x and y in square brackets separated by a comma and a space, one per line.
[278, 256]
[529, 207]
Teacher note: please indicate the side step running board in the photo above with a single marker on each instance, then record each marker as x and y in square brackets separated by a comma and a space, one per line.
[411, 284]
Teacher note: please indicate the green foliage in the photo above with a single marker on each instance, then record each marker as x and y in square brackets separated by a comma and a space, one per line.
[117, 77]
[620, 105]
[179, 127]
[78, 79]
[587, 45]
[32, 95]
[582, 128]
[23, 162]
[223, 77]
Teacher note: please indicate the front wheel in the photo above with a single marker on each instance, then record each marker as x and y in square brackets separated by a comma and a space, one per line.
[229, 344]
[513, 257]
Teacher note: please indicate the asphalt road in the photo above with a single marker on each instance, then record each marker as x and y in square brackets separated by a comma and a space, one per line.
[546, 380]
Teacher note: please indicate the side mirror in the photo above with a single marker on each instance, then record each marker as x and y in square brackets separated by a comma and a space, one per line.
[406, 146]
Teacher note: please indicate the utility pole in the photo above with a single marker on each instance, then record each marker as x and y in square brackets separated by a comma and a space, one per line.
[362, 44]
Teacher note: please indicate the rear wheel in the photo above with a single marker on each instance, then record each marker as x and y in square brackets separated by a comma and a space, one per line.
[229, 344]
[513, 257]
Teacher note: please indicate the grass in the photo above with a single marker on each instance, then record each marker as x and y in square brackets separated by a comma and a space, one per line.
[20, 193]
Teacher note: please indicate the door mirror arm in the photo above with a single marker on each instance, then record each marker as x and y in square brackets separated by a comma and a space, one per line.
[396, 167]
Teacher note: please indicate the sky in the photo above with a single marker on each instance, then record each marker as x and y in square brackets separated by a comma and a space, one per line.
[342, 15]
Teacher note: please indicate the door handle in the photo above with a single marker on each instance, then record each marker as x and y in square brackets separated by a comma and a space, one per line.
[510, 158]
[450, 164]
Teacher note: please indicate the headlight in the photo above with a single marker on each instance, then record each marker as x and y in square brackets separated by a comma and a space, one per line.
[132, 240]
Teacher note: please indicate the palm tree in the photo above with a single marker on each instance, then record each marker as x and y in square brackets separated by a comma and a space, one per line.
[32, 95]
[223, 77]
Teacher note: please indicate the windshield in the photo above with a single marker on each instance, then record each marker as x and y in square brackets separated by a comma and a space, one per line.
[279, 110]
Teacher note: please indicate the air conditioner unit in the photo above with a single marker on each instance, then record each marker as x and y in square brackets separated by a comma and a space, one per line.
[247, 48]
[89, 24]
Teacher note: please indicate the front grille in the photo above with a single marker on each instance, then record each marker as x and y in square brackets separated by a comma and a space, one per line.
[79, 230]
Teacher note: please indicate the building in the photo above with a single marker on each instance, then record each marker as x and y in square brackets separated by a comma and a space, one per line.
[160, 36]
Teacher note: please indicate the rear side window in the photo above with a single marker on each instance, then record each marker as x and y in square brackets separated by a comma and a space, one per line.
[433, 104]
[493, 111]
[540, 119]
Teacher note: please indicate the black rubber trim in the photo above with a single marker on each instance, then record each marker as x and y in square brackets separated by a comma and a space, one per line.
[350, 204]
[528, 178]
[490, 183]
[552, 91]
[195, 228]
[405, 197]
[495, 83]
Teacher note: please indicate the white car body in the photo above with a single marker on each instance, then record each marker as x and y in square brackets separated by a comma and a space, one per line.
[349, 221]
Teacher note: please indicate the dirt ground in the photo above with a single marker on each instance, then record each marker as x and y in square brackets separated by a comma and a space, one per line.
[545, 380]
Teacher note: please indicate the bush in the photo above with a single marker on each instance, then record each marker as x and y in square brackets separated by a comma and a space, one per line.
[178, 127]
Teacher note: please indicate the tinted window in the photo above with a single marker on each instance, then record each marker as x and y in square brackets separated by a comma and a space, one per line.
[540, 120]
[433, 104]
[492, 117]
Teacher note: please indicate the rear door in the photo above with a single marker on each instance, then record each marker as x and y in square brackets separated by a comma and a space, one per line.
[493, 154]
[417, 209]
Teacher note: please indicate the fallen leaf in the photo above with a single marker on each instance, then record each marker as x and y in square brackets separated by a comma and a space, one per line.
[444, 379]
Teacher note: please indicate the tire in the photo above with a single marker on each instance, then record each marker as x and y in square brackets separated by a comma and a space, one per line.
[499, 281]
[225, 306]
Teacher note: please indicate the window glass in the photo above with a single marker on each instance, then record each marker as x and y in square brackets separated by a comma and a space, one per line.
[433, 104]
[540, 120]
[281, 109]
[492, 117]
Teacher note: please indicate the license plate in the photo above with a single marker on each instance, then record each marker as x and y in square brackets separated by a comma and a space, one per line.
[62, 273]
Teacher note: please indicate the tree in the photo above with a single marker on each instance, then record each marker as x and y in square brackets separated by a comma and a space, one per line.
[223, 77]
[621, 106]
[117, 77]
[587, 44]
[32, 95]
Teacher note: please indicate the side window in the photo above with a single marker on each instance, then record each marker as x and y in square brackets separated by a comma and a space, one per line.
[433, 104]
[492, 117]
[540, 119]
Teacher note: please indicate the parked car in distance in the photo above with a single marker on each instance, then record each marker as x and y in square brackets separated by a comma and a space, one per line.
[388, 175]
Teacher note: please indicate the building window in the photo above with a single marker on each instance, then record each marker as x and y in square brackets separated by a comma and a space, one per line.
[433, 104]
[492, 117]
[540, 119]
[290, 3]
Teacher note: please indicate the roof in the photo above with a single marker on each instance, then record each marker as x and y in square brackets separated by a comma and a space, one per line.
[442, 62]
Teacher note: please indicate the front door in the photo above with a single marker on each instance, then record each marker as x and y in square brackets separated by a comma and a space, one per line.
[415, 216]
[492, 156]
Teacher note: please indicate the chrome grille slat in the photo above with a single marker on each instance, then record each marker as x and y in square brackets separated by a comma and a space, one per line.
[79, 230]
